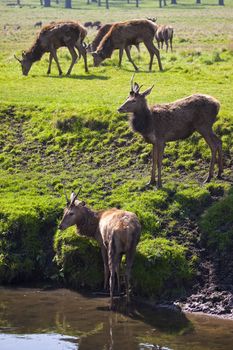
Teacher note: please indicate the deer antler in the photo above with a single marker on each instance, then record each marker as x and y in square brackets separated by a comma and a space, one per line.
[17, 59]
[131, 82]
[74, 196]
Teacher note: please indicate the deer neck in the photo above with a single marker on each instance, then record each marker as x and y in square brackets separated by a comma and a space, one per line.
[88, 224]
[141, 121]
[36, 51]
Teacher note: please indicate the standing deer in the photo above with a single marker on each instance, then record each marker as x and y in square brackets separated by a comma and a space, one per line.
[123, 34]
[104, 29]
[51, 37]
[117, 232]
[163, 34]
[178, 120]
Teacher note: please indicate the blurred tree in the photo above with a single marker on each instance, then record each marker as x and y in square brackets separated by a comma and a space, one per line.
[68, 4]
[198, 1]
[47, 3]
[173, 2]
[221, 2]
[137, 3]
[107, 4]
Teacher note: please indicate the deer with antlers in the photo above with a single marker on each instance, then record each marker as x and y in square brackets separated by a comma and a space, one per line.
[50, 38]
[124, 34]
[178, 120]
[117, 232]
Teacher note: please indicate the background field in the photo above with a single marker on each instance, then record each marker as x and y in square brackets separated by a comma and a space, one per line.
[66, 129]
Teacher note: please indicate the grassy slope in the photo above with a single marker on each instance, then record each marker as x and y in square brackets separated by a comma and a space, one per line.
[56, 129]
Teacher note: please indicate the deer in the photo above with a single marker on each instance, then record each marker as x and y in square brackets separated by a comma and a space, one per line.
[51, 37]
[103, 30]
[123, 34]
[117, 232]
[38, 24]
[163, 34]
[173, 121]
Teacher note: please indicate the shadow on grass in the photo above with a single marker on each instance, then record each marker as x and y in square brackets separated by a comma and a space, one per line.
[79, 77]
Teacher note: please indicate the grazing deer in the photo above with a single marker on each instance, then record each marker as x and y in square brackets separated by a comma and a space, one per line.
[123, 34]
[87, 24]
[38, 24]
[163, 34]
[104, 29]
[117, 232]
[51, 37]
[178, 120]
[96, 24]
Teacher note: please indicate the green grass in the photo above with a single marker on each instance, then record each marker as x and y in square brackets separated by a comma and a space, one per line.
[67, 129]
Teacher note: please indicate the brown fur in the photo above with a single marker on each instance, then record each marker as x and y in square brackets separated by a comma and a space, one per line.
[163, 34]
[174, 121]
[104, 29]
[123, 34]
[117, 232]
[50, 38]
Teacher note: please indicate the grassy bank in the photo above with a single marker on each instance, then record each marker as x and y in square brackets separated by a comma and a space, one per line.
[66, 129]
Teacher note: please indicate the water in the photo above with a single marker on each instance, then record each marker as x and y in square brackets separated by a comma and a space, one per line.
[65, 320]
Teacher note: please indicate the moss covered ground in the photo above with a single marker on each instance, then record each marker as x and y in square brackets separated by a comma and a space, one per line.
[57, 130]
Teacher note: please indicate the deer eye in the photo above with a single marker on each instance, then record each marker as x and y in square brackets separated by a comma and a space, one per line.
[71, 213]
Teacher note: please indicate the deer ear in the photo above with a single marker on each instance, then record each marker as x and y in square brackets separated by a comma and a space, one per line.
[94, 53]
[148, 91]
[135, 87]
[82, 203]
[72, 197]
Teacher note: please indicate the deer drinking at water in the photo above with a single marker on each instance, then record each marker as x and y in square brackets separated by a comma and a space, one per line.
[50, 38]
[117, 232]
[178, 120]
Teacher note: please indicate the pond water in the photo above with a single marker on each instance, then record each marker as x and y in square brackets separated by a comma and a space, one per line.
[63, 320]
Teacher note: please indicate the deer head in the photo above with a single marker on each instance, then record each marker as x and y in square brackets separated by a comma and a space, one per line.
[135, 100]
[26, 62]
[152, 19]
[73, 212]
[98, 57]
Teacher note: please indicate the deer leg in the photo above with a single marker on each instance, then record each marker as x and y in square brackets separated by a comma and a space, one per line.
[153, 50]
[118, 265]
[121, 51]
[219, 152]
[83, 52]
[154, 161]
[112, 263]
[171, 44]
[211, 141]
[50, 63]
[129, 263]
[160, 151]
[127, 50]
[166, 42]
[74, 58]
[106, 267]
[54, 53]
